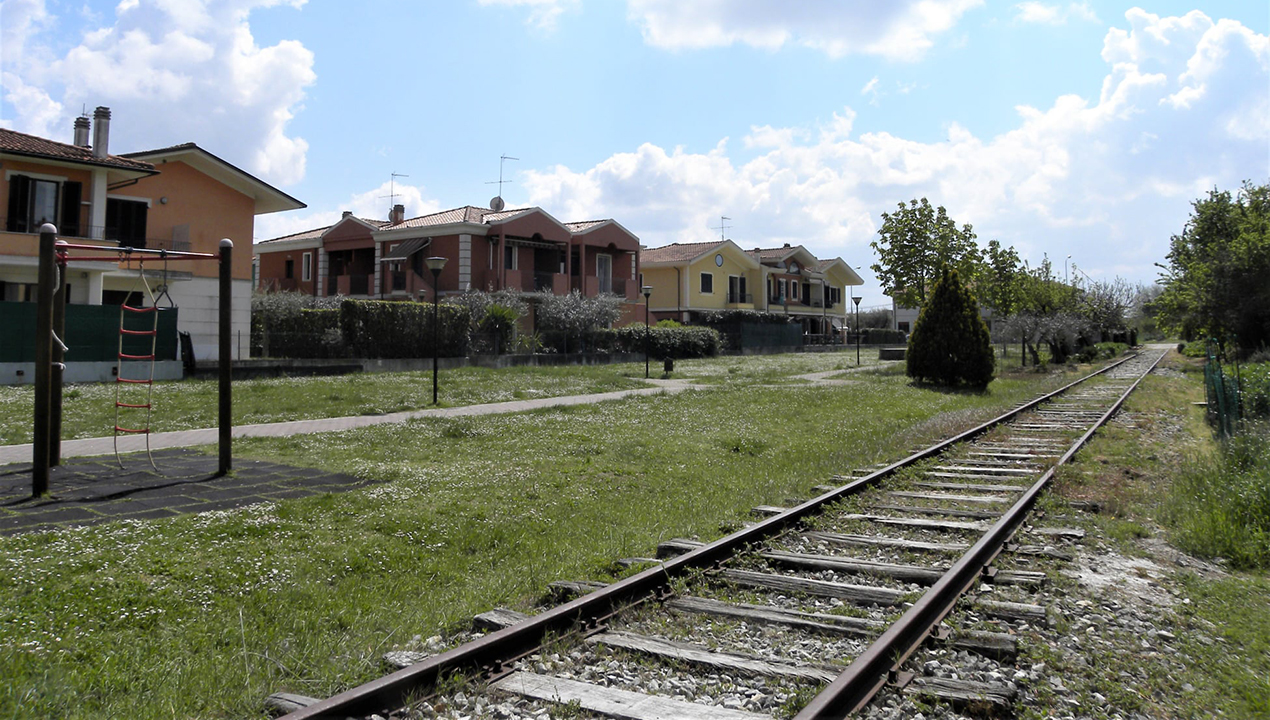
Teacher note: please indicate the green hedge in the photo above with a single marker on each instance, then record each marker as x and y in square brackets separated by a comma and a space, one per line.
[742, 317]
[306, 334]
[381, 329]
[663, 342]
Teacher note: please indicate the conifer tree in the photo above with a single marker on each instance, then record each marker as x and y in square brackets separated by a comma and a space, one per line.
[950, 343]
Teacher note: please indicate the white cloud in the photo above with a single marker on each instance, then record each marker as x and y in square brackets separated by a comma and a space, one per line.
[899, 30]
[1101, 179]
[542, 13]
[1054, 14]
[171, 71]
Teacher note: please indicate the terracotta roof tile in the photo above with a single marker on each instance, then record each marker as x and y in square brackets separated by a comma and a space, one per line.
[465, 214]
[675, 252]
[18, 143]
[583, 225]
[317, 232]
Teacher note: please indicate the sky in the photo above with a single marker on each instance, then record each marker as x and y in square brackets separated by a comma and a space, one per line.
[1081, 129]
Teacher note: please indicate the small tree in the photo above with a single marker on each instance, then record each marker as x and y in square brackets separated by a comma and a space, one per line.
[950, 344]
[913, 243]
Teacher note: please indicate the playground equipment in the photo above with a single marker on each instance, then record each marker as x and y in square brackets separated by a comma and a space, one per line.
[49, 349]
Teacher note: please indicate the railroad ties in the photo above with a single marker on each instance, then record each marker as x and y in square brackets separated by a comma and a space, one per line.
[938, 564]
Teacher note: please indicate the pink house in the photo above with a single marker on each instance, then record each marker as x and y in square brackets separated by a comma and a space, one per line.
[526, 249]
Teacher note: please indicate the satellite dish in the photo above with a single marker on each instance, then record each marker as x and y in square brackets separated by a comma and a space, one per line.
[496, 204]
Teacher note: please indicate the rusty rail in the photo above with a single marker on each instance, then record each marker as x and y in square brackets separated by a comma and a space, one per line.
[492, 653]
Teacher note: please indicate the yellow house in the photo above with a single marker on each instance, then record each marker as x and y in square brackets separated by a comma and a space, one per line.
[690, 278]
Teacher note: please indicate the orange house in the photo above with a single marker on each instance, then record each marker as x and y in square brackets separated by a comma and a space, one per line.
[178, 198]
[525, 249]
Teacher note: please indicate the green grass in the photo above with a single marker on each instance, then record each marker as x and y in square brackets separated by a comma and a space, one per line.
[89, 408]
[204, 616]
[1220, 503]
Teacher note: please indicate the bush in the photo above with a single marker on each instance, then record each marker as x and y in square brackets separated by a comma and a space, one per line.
[950, 343]
[568, 322]
[742, 317]
[295, 325]
[1255, 387]
[664, 342]
[381, 329]
[1102, 351]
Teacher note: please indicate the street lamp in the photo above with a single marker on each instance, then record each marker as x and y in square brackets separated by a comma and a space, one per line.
[648, 290]
[436, 265]
[856, 300]
[1066, 278]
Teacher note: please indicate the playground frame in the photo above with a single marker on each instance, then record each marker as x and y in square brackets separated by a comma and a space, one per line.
[49, 350]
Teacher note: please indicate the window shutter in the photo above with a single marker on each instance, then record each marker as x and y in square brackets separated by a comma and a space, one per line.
[72, 192]
[19, 203]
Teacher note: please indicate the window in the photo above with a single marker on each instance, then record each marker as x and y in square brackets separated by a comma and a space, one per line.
[35, 201]
[288, 271]
[707, 283]
[793, 290]
[126, 222]
[306, 267]
[511, 258]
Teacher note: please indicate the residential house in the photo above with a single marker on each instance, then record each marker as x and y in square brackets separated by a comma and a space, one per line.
[524, 249]
[177, 198]
[688, 279]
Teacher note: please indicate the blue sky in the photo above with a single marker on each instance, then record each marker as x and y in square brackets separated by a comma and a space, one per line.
[1081, 128]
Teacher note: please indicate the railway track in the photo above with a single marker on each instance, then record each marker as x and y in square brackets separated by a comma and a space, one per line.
[898, 581]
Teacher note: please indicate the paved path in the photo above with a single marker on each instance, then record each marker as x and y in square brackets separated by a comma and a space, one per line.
[90, 486]
[208, 436]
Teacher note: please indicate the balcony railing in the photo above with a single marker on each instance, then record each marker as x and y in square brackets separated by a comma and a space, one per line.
[736, 298]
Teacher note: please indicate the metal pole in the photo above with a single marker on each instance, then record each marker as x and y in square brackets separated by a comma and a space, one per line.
[647, 290]
[59, 355]
[41, 450]
[856, 300]
[436, 319]
[226, 361]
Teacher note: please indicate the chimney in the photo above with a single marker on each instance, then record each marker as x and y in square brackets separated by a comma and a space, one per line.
[397, 215]
[786, 244]
[81, 131]
[101, 131]
[347, 214]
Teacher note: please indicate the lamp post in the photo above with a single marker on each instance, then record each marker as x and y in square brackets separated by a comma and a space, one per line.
[856, 300]
[435, 264]
[1066, 277]
[648, 290]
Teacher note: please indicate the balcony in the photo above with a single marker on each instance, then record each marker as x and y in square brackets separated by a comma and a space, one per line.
[740, 298]
[348, 285]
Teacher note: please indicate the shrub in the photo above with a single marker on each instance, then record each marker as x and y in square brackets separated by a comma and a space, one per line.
[950, 343]
[566, 321]
[295, 325]
[381, 329]
[739, 317]
[665, 342]
[1255, 387]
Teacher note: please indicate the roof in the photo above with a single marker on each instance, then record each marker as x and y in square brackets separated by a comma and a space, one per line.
[406, 249]
[676, 252]
[465, 214]
[577, 227]
[16, 143]
[317, 233]
[269, 199]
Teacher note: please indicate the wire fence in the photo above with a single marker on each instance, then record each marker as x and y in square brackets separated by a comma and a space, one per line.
[1222, 390]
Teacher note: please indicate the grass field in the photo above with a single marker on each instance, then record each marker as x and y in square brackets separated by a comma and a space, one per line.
[89, 408]
[203, 616]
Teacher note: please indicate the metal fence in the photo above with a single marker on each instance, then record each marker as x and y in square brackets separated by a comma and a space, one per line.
[1222, 391]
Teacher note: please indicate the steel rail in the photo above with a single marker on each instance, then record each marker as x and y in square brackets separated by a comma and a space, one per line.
[870, 672]
[494, 652]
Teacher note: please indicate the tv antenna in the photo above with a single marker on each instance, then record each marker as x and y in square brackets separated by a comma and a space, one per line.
[496, 203]
[392, 191]
[723, 226]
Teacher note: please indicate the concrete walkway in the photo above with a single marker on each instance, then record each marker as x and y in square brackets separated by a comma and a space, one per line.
[207, 436]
